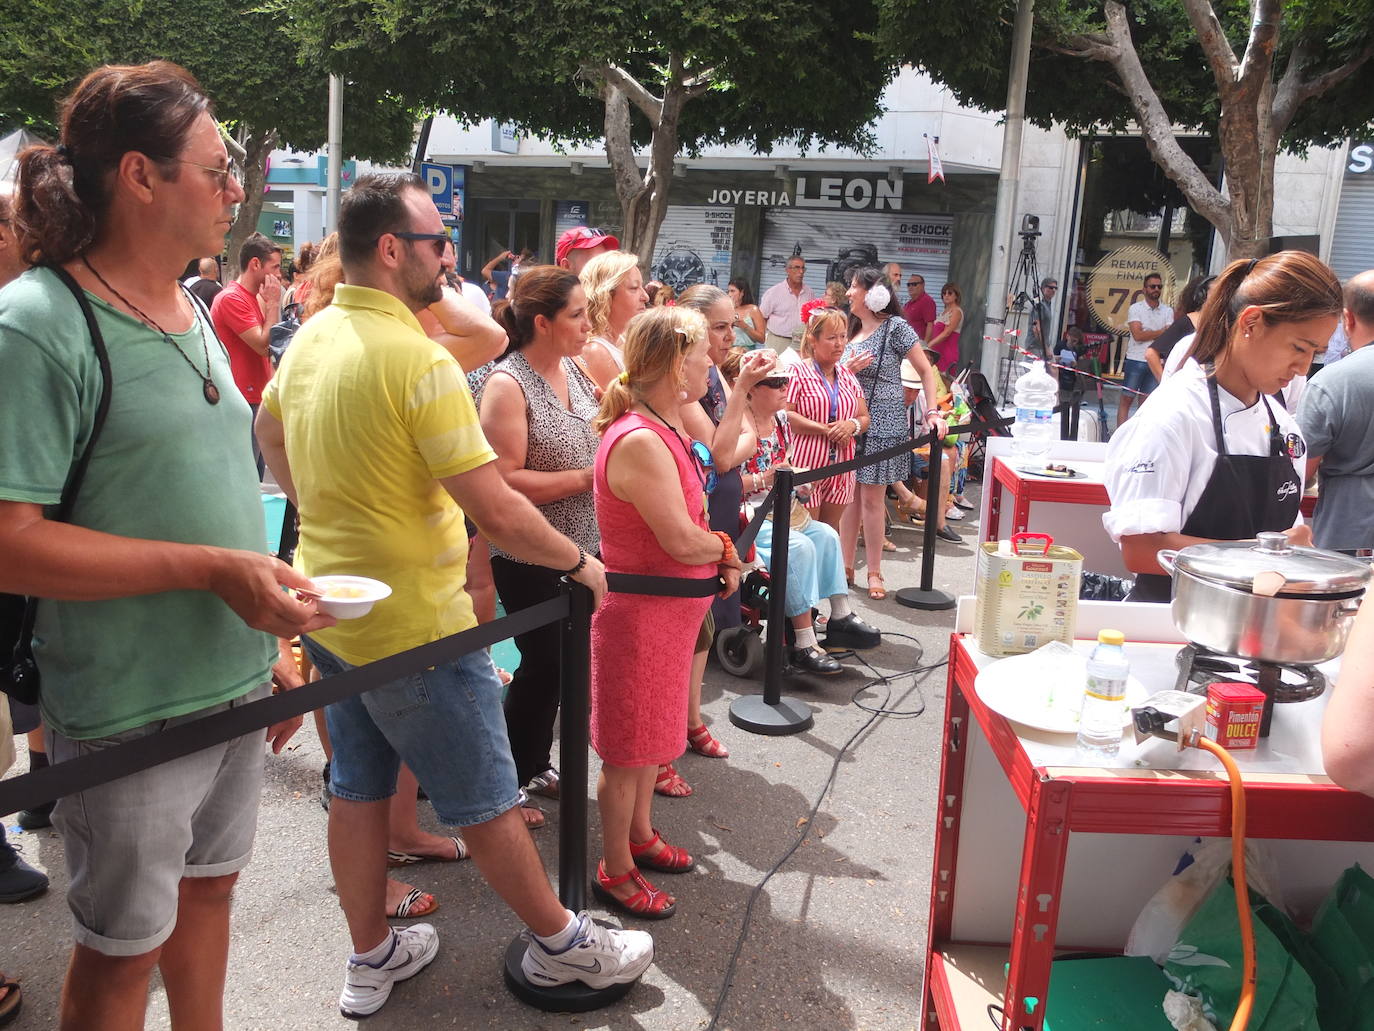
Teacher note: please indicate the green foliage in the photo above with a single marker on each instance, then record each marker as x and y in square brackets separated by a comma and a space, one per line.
[238, 52]
[966, 44]
[807, 71]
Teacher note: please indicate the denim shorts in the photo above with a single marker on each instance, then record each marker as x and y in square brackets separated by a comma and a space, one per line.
[129, 842]
[446, 723]
[1136, 375]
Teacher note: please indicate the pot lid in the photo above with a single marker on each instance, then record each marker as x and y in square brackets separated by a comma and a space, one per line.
[1304, 570]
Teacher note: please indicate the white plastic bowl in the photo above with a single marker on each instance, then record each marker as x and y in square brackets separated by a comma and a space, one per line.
[359, 594]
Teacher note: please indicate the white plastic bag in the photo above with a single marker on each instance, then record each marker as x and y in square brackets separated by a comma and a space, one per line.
[1161, 922]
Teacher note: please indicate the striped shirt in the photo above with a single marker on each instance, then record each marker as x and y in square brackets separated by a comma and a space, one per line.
[816, 398]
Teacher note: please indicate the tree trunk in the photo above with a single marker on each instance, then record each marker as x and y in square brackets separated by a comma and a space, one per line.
[257, 145]
[643, 195]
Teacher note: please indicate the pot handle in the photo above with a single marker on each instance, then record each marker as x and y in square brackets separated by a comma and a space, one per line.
[1165, 557]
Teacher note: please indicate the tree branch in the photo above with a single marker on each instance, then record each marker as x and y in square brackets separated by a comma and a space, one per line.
[649, 104]
[1090, 47]
[1215, 45]
[1294, 90]
[1258, 64]
[1156, 126]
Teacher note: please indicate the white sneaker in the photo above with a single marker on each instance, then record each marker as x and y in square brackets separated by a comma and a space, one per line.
[367, 987]
[954, 513]
[598, 957]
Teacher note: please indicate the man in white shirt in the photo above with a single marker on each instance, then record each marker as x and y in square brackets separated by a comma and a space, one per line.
[781, 305]
[1147, 319]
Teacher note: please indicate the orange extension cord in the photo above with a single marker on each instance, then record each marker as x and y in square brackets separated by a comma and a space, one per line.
[1247, 930]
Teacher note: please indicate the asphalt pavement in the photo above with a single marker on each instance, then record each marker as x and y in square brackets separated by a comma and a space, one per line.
[835, 940]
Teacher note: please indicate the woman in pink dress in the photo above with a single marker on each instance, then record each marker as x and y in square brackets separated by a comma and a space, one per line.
[944, 334]
[651, 509]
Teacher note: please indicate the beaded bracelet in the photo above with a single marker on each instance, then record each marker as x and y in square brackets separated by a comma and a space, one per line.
[581, 562]
[728, 555]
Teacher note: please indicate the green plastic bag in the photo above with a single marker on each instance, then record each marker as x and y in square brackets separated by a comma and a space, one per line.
[1207, 962]
[1343, 936]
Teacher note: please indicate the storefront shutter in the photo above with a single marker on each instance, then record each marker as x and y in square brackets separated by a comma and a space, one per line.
[694, 246]
[832, 242]
[1352, 244]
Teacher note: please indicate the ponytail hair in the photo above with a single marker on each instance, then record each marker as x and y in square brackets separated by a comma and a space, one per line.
[1290, 286]
[539, 290]
[656, 341]
[64, 191]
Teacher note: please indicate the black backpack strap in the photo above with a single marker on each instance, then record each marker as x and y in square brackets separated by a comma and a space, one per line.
[78, 471]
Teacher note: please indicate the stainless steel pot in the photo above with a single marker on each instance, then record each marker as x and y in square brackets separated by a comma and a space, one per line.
[1266, 600]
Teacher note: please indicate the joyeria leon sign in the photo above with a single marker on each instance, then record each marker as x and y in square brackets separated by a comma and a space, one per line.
[823, 192]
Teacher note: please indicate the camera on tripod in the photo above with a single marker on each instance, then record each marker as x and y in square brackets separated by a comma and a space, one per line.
[1030, 227]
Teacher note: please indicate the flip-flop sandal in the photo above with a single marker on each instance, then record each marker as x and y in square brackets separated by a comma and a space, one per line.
[407, 858]
[10, 1001]
[532, 815]
[413, 906]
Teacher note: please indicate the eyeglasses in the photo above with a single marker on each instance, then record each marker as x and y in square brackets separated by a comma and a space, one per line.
[440, 240]
[775, 381]
[1050, 286]
[702, 454]
[915, 282]
[221, 174]
[1154, 286]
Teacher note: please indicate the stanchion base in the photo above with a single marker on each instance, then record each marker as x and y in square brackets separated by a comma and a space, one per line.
[915, 598]
[752, 713]
[574, 997]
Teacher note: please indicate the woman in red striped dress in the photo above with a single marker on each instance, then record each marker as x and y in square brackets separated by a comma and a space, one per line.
[826, 410]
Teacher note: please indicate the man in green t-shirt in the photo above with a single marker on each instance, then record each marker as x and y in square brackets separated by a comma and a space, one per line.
[158, 603]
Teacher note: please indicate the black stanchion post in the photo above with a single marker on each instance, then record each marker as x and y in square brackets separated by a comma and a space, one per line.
[926, 596]
[575, 690]
[575, 681]
[771, 713]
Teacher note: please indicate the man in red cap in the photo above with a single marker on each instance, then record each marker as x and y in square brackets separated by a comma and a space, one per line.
[580, 245]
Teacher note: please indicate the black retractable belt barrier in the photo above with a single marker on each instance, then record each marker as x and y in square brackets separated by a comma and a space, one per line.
[771, 713]
[33, 789]
[926, 596]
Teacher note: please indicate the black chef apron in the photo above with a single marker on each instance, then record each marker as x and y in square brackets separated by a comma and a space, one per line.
[1246, 494]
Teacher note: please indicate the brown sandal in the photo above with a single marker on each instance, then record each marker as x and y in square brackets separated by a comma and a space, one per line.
[648, 901]
[879, 592]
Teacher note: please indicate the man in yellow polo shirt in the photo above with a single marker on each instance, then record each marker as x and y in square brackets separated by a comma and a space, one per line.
[369, 427]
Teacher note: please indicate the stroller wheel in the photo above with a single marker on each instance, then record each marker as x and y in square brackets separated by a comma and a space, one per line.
[739, 651]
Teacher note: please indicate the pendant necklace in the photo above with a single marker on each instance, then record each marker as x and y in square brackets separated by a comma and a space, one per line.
[208, 387]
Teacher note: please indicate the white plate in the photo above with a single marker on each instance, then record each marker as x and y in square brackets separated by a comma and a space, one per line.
[1044, 689]
[368, 593]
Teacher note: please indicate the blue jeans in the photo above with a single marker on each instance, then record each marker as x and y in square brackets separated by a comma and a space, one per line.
[445, 723]
[815, 565]
[1136, 375]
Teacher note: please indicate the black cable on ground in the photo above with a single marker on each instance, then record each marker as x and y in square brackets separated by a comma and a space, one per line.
[880, 712]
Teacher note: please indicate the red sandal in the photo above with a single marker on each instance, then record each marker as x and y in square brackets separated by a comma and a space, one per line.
[703, 742]
[670, 783]
[648, 902]
[665, 859]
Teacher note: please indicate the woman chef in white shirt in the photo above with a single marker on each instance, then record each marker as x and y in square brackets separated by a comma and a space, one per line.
[1210, 456]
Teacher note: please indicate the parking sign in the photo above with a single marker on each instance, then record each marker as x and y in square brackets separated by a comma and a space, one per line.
[439, 179]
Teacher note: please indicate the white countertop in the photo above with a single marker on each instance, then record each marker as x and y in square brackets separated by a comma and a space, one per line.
[1293, 746]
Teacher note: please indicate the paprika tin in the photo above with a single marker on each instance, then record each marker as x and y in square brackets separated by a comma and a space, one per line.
[1234, 712]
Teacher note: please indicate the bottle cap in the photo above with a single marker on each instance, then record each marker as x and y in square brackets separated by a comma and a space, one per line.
[1115, 637]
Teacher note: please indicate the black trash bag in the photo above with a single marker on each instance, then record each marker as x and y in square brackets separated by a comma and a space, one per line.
[1104, 587]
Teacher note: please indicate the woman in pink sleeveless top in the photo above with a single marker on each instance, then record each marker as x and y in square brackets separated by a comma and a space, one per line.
[650, 506]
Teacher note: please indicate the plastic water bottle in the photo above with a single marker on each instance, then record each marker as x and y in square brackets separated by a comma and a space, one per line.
[1104, 697]
[1036, 394]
